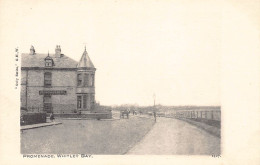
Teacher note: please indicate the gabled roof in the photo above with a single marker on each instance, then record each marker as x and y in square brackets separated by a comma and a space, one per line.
[85, 61]
[38, 60]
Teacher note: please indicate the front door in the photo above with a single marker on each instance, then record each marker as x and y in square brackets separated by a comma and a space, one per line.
[47, 104]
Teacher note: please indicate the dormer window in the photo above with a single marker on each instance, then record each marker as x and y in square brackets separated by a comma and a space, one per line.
[48, 61]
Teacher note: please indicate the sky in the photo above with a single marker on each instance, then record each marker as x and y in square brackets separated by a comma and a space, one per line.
[188, 52]
[140, 48]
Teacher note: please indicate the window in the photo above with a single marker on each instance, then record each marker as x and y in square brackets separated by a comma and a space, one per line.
[87, 101]
[48, 62]
[79, 102]
[93, 79]
[47, 79]
[86, 80]
[92, 101]
[91, 82]
[84, 101]
[79, 79]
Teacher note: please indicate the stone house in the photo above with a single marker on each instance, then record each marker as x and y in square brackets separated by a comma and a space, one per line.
[56, 83]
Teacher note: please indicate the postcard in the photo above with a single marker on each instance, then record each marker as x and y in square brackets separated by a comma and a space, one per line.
[130, 82]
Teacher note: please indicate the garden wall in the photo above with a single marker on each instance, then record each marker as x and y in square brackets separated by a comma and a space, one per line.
[32, 118]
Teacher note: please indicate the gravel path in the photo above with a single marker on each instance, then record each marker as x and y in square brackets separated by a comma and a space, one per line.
[171, 136]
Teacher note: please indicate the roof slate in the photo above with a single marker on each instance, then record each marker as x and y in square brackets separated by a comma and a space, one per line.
[37, 60]
[85, 61]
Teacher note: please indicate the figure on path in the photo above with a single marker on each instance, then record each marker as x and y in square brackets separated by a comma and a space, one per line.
[52, 117]
[154, 114]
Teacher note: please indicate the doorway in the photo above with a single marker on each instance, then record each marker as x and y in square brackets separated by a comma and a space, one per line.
[47, 104]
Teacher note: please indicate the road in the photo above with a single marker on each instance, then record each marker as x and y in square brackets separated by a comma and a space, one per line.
[86, 137]
[171, 136]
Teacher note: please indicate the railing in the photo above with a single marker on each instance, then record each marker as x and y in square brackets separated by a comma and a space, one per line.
[196, 114]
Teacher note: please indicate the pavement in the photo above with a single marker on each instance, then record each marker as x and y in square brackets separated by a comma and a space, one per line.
[208, 128]
[39, 125]
[171, 136]
[112, 119]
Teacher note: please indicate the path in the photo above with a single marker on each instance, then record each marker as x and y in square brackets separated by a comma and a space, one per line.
[172, 136]
[24, 127]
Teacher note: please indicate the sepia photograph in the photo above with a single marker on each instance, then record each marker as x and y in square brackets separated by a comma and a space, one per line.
[58, 100]
[137, 82]
[144, 80]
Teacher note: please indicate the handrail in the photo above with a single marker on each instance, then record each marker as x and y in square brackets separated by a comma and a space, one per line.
[196, 114]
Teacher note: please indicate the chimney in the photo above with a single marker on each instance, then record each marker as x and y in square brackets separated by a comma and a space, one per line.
[32, 51]
[58, 51]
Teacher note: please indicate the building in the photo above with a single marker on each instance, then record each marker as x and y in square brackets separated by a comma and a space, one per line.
[57, 83]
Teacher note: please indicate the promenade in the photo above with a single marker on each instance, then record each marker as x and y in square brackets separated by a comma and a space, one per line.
[171, 136]
[138, 135]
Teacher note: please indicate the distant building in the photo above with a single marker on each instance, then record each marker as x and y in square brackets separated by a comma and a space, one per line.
[55, 82]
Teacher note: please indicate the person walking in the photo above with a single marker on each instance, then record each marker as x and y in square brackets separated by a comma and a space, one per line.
[52, 117]
[154, 114]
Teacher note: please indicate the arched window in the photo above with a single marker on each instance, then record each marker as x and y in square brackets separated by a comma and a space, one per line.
[47, 79]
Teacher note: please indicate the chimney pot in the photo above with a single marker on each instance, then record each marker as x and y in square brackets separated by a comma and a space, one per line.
[58, 51]
[32, 51]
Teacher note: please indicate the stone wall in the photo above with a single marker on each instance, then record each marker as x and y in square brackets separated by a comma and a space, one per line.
[32, 118]
[61, 80]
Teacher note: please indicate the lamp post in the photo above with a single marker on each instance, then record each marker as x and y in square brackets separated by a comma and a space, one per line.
[154, 110]
[154, 97]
